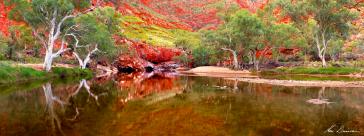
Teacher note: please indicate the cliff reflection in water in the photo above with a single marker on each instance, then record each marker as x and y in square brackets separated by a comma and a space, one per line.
[139, 84]
[167, 104]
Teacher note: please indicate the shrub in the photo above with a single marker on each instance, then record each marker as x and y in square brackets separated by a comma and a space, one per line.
[204, 56]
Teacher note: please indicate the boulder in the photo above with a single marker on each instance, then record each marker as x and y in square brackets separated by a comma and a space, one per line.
[129, 64]
[169, 66]
[156, 55]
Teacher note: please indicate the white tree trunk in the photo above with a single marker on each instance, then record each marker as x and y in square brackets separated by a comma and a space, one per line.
[235, 57]
[255, 60]
[54, 33]
[83, 62]
[236, 63]
[323, 60]
[48, 61]
[321, 47]
[250, 57]
[256, 64]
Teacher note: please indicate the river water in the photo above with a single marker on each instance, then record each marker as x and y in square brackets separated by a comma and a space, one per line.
[168, 104]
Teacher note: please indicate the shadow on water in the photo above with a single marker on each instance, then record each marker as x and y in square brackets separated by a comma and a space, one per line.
[168, 104]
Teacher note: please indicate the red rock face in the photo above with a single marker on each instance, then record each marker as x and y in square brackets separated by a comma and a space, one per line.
[182, 14]
[198, 13]
[150, 53]
[146, 56]
[127, 63]
[156, 55]
[191, 12]
[4, 21]
[151, 19]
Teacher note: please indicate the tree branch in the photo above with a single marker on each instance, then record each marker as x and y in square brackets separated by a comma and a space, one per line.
[227, 49]
[36, 34]
[74, 37]
[72, 16]
[78, 58]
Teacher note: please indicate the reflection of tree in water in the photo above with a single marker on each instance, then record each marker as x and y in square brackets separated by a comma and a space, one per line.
[84, 84]
[320, 100]
[52, 101]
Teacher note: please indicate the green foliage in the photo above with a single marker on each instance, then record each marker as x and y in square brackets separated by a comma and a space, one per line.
[285, 35]
[21, 39]
[327, 70]
[109, 17]
[336, 47]
[10, 73]
[320, 21]
[203, 56]
[37, 13]
[97, 29]
[186, 44]
[3, 47]
[249, 29]
[297, 11]
[94, 30]
[183, 59]
[332, 16]
[279, 34]
[72, 72]
[22, 35]
[136, 29]
[186, 39]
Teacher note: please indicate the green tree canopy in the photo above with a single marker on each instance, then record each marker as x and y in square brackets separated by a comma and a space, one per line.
[331, 19]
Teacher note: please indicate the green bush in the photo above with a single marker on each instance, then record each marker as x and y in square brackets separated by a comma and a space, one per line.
[204, 56]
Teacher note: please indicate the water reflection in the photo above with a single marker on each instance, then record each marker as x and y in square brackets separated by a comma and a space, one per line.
[51, 101]
[141, 84]
[166, 104]
[320, 100]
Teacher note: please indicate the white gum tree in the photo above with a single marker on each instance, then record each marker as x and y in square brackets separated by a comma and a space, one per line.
[49, 19]
[92, 34]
